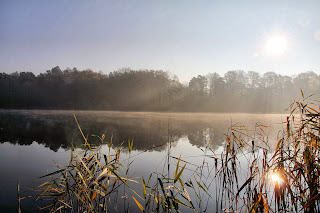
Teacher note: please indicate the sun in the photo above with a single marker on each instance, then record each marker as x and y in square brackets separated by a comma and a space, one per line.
[276, 45]
[275, 177]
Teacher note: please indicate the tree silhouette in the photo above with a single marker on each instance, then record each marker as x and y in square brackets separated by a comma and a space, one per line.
[152, 90]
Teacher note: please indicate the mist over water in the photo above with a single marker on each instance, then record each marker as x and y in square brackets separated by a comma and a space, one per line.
[203, 83]
[58, 129]
[32, 139]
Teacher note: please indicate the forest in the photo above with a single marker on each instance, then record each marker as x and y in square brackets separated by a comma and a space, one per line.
[153, 90]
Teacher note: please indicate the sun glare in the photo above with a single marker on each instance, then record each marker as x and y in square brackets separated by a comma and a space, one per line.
[276, 45]
[275, 178]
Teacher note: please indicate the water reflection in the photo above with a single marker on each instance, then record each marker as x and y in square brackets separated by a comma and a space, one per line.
[25, 134]
[58, 129]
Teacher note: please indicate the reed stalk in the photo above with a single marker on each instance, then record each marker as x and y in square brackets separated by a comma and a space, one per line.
[284, 178]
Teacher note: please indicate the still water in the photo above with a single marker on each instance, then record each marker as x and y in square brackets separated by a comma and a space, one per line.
[31, 140]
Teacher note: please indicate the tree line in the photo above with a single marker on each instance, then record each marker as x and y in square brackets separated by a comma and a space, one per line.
[153, 90]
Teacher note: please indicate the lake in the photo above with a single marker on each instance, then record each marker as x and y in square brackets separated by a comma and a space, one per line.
[31, 140]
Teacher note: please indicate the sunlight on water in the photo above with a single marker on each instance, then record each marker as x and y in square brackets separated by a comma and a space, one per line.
[31, 140]
[275, 177]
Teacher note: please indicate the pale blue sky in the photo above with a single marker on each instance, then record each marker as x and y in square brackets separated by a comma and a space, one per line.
[184, 37]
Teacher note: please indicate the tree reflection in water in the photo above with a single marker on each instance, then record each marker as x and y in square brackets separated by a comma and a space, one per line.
[58, 129]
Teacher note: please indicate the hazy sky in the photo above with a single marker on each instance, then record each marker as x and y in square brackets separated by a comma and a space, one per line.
[184, 37]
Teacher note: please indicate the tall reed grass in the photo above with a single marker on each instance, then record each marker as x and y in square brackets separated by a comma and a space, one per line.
[248, 176]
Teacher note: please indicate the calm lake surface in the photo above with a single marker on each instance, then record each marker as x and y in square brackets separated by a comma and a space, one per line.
[31, 140]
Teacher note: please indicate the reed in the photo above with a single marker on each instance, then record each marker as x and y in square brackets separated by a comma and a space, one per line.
[87, 182]
[284, 178]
